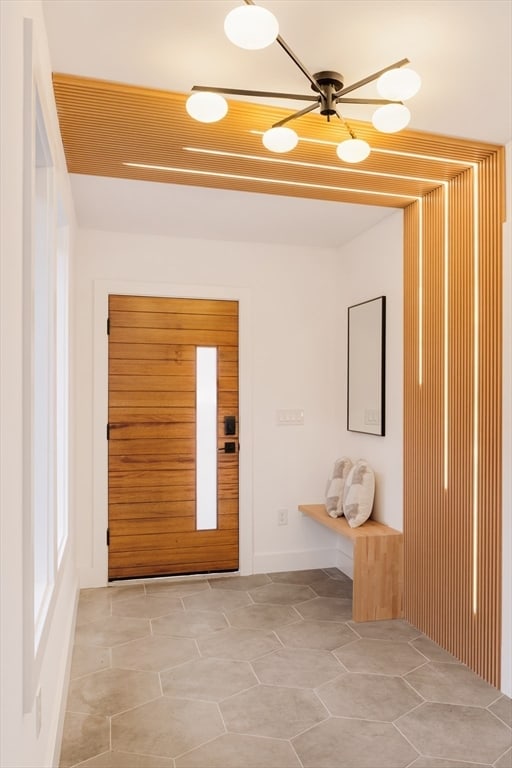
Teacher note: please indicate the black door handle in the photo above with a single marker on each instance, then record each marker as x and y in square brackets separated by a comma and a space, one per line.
[228, 448]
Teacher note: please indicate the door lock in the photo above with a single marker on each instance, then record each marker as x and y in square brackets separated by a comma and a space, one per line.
[229, 425]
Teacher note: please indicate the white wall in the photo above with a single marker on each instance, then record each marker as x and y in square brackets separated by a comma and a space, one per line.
[19, 743]
[293, 318]
[289, 335]
[371, 265]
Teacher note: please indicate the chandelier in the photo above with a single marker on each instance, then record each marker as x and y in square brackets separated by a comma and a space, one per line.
[253, 27]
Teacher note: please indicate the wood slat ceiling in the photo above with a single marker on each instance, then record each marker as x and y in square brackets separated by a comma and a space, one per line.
[105, 125]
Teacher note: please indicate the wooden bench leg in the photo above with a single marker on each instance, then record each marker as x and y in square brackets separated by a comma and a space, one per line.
[378, 578]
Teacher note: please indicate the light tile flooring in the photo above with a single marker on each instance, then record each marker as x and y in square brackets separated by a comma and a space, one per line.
[268, 671]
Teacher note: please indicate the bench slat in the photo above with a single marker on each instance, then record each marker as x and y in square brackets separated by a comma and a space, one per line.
[339, 524]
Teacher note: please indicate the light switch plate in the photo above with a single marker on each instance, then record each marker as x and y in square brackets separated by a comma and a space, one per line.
[290, 417]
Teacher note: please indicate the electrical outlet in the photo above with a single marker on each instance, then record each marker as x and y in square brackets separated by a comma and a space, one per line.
[38, 712]
[282, 517]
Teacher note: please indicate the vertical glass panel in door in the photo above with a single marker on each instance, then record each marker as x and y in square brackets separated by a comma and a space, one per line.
[206, 438]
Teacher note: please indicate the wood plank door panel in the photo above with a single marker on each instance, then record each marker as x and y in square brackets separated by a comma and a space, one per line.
[152, 436]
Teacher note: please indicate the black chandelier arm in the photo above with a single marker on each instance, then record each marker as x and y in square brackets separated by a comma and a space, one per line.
[286, 48]
[298, 62]
[366, 101]
[297, 114]
[370, 78]
[263, 94]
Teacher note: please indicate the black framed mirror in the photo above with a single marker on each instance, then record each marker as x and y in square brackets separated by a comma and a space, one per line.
[366, 367]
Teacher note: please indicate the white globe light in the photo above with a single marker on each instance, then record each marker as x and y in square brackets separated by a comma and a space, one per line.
[399, 84]
[353, 150]
[391, 118]
[280, 139]
[251, 27]
[206, 107]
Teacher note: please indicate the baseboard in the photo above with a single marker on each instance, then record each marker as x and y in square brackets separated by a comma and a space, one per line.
[345, 563]
[64, 686]
[89, 578]
[345, 556]
[273, 562]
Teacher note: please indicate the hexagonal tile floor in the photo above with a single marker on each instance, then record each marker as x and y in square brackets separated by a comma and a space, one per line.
[368, 697]
[112, 690]
[456, 732]
[326, 609]
[268, 671]
[208, 679]
[451, 684]
[154, 653]
[263, 616]
[356, 743]
[282, 594]
[233, 750]
[189, 623]
[166, 727]
[297, 668]
[145, 607]
[269, 710]
[379, 656]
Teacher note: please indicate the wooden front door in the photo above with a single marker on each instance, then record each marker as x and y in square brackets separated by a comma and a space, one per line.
[153, 352]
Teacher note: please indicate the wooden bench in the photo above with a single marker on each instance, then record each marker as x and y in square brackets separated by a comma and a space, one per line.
[378, 564]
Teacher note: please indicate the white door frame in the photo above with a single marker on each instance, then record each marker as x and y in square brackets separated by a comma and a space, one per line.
[102, 289]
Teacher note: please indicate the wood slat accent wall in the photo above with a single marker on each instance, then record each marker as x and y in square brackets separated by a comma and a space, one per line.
[452, 478]
[105, 125]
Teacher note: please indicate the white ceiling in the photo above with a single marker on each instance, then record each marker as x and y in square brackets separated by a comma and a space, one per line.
[218, 214]
[461, 48]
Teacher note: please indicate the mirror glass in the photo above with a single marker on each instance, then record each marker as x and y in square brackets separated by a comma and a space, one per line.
[366, 367]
